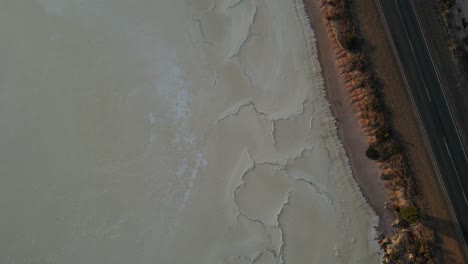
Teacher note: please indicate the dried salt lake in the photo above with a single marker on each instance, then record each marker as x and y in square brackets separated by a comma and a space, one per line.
[171, 131]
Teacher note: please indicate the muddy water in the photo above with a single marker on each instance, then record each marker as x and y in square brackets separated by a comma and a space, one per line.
[170, 131]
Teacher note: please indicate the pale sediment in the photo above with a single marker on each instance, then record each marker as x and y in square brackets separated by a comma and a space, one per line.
[183, 132]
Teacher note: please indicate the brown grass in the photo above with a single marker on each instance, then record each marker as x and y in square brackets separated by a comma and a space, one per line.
[411, 242]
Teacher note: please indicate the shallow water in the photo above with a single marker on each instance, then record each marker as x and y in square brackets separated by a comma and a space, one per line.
[170, 132]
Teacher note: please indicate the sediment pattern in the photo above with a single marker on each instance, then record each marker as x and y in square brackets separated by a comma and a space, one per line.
[173, 131]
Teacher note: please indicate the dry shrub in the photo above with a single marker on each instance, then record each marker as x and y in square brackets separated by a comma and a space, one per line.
[395, 172]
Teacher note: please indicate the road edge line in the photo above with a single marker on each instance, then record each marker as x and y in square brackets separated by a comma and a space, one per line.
[421, 126]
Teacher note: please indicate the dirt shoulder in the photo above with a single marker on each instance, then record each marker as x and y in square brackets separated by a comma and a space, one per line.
[365, 170]
[358, 129]
[405, 124]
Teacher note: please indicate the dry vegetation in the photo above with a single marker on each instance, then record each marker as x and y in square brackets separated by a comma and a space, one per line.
[457, 45]
[411, 241]
[444, 7]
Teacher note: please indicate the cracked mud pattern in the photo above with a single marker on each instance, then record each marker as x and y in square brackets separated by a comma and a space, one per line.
[174, 132]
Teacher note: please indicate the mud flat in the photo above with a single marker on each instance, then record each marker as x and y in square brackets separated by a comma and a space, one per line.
[171, 132]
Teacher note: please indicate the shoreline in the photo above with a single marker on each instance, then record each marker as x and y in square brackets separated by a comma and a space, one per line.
[333, 123]
[364, 170]
[354, 89]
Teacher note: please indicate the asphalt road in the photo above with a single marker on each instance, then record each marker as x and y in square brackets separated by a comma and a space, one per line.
[433, 110]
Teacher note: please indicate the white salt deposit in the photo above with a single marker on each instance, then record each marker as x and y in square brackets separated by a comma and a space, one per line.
[171, 131]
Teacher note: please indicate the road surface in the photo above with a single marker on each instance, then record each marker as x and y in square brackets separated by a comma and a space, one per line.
[421, 76]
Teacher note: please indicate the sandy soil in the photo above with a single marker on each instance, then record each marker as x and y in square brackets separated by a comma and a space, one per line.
[365, 170]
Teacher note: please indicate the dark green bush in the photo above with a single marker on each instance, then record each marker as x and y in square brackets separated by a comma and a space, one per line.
[350, 42]
[372, 153]
[388, 148]
[410, 214]
[382, 133]
[378, 106]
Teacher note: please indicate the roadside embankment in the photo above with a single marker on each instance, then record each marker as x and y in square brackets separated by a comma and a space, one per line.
[411, 239]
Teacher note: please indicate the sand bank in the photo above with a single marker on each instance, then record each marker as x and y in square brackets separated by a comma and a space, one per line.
[364, 170]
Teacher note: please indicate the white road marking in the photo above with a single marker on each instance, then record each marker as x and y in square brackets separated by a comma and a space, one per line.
[456, 172]
[426, 139]
[412, 50]
[438, 79]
